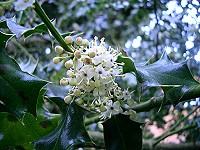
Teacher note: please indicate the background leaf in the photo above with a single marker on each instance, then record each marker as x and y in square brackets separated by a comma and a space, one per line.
[121, 133]
[19, 30]
[19, 134]
[70, 131]
[19, 90]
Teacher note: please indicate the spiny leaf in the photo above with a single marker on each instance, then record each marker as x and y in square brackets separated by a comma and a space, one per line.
[174, 78]
[70, 131]
[19, 90]
[121, 133]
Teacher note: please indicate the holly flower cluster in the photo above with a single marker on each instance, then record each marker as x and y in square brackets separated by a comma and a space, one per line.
[91, 72]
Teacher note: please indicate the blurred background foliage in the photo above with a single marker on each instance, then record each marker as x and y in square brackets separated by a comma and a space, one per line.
[144, 29]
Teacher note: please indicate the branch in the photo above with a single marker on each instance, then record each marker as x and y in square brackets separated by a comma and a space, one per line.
[157, 102]
[92, 120]
[50, 26]
[98, 138]
[174, 132]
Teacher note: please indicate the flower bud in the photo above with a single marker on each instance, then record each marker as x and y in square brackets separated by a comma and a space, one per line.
[102, 108]
[69, 64]
[64, 82]
[85, 42]
[68, 40]
[91, 83]
[97, 83]
[68, 99]
[77, 92]
[59, 49]
[73, 81]
[56, 60]
[91, 54]
[69, 73]
[79, 101]
[77, 54]
[79, 40]
[87, 60]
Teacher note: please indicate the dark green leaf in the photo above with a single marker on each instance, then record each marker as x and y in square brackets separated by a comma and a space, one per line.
[19, 90]
[4, 38]
[174, 78]
[3, 24]
[17, 134]
[128, 64]
[70, 131]
[39, 29]
[121, 133]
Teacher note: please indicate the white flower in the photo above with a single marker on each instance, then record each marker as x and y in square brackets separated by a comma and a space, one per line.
[23, 4]
[101, 91]
[126, 94]
[111, 109]
[100, 72]
[87, 72]
[78, 64]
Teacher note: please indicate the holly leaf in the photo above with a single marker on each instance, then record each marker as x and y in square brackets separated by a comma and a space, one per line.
[20, 134]
[122, 133]
[4, 38]
[174, 78]
[19, 30]
[19, 90]
[39, 29]
[128, 64]
[70, 131]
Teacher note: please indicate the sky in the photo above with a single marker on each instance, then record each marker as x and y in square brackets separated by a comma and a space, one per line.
[192, 17]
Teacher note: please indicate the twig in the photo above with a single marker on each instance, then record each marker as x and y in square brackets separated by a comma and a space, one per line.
[174, 132]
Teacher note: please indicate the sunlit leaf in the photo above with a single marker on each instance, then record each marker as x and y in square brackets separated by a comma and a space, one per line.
[128, 64]
[175, 78]
[121, 133]
[19, 30]
[19, 90]
[70, 131]
[29, 66]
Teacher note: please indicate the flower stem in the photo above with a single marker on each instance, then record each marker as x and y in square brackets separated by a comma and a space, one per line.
[39, 10]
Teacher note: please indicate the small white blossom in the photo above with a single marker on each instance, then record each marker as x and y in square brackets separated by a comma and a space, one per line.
[111, 109]
[126, 94]
[23, 4]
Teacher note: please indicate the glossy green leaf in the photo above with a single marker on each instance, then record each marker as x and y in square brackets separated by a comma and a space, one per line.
[174, 78]
[4, 38]
[20, 134]
[128, 64]
[19, 90]
[121, 133]
[39, 29]
[70, 131]
[3, 24]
